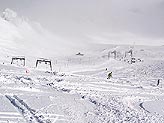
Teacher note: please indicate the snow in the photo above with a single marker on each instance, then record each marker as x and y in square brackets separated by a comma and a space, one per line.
[20, 36]
[9, 14]
[77, 90]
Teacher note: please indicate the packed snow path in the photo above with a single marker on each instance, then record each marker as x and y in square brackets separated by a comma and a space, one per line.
[79, 97]
[30, 96]
[25, 110]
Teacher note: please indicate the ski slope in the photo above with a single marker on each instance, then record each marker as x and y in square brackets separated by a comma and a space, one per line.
[77, 90]
[80, 92]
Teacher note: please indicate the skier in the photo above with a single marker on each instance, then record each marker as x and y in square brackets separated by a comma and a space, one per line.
[109, 75]
[158, 82]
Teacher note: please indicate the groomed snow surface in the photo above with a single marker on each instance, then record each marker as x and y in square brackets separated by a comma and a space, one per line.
[78, 91]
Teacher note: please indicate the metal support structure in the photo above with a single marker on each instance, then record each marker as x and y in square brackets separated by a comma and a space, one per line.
[129, 52]
[42, 60]
[22, 58]
[115, 54]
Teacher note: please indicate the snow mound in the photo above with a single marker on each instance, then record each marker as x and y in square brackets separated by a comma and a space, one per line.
[9, 14]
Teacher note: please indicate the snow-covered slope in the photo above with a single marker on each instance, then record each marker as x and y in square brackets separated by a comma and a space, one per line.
[83, 94]
[77, 90]
[20, 36]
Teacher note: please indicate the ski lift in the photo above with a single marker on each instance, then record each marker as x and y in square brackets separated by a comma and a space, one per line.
[129, 52]
[46, 61]
[18, 59]
[114, 54]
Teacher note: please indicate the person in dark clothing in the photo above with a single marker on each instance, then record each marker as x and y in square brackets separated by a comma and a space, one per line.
[158, 82]
[109, 75]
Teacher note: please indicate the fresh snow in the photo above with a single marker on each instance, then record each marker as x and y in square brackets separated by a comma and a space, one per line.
[77, 90]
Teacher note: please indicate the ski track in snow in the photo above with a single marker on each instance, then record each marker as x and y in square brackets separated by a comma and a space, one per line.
[84, 96]
[109, 108]
[78, 90]
[25, 110]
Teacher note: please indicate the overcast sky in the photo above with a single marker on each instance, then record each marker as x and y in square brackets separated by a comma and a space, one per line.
[101, 21]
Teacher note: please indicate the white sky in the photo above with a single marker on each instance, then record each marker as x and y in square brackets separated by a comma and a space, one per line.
[100, 21]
